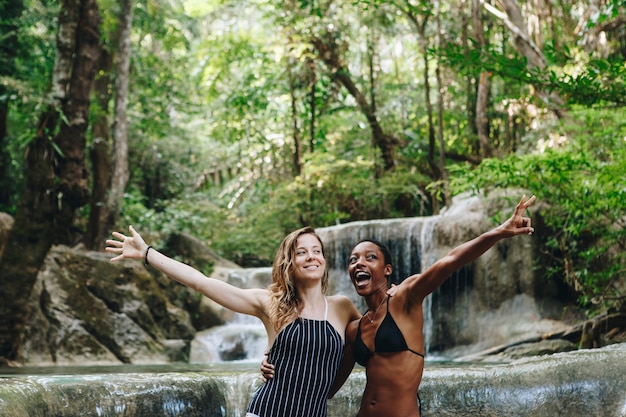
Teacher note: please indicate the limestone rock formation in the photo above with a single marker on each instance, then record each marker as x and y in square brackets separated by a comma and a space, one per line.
[87, 310]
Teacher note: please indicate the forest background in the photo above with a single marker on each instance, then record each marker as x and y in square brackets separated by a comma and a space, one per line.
[240, 121]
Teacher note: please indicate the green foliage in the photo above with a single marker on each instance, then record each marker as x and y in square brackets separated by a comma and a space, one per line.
[582, 80]
[601, 81]
[582, 187]
[509, 66]
[226, 87]
[332, 190]
[195, 214]
[608, 10]
[25, 65]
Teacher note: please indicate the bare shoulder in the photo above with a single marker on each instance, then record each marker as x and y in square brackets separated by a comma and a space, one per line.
[338, 298]
[343, 306]
[410, 289]
[340, 301]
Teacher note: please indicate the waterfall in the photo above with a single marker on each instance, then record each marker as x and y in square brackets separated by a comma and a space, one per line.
[454, 313]
[401, 236]
[428, 259]
[460, 316]
[409, 241]
[242, 339]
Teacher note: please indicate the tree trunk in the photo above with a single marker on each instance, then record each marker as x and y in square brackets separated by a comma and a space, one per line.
[6, 184]
[432, 139]
[445, 186]
[56, 183]
[385, 143]
[11, 11]
[482, 95]
[312, 77]
[470, 89]
[121, 173]
[100, 156]
[297, 148]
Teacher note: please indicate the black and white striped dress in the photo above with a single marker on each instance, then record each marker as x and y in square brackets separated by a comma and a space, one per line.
[306, 355]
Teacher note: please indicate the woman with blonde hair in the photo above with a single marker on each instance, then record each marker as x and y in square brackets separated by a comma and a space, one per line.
[305, 328]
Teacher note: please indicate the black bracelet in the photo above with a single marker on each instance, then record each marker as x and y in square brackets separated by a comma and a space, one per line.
[145, 256]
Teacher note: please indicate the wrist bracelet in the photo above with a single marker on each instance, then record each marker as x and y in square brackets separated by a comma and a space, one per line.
[145, 256]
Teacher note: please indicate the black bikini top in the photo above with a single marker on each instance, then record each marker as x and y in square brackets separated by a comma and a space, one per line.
[388, 339]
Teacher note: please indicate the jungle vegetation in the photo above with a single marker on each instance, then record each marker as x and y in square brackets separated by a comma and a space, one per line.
[239, 121]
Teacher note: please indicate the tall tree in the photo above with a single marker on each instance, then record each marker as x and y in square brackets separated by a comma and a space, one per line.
[311, 71]
[297, 147]
[328, 51]
[413, 12]
[445, 186]
[57, 181]
[10, 11]
[484, 84]
[111, 175]
[120, 124]
[100, 154]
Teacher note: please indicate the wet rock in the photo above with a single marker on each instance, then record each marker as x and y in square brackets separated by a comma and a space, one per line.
[113, 394]
[544, 347]
[586, 383]
[88, 310]
[601, 329]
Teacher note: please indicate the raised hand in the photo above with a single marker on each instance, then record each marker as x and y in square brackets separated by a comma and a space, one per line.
[127, 247]
[517, 224]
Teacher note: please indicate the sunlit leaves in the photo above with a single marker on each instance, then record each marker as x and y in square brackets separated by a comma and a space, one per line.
[585, 193]
[602, 81]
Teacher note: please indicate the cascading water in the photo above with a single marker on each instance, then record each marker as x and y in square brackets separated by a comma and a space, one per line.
[586, 382]
[428, 258]
[241, 339]
[410, 244]
[408, 240]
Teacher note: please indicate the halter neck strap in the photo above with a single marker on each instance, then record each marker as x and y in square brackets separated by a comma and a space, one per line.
[326, 312]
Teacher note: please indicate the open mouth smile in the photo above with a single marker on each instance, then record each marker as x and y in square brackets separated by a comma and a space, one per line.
[361, 279]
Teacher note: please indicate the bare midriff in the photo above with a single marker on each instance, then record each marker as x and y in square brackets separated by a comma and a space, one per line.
[393, 380]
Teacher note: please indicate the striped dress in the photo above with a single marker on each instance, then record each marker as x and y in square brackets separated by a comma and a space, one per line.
[306, 355]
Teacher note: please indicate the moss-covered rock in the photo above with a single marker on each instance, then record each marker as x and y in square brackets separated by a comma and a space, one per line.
[86, 309]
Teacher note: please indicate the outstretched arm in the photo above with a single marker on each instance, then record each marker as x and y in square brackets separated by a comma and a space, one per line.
[423, 284]
[247, 301]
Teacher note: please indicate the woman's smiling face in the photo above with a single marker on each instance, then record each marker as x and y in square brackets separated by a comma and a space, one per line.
[367, 268]
[309, 261]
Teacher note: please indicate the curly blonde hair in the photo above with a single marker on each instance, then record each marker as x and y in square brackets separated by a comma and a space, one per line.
[284, 298]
